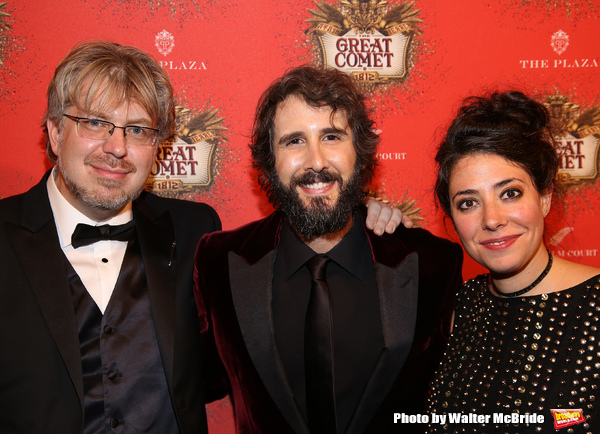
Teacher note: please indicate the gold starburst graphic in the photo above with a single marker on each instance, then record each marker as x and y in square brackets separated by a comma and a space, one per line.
[571, 7]
[206, 125]
[363, 17]
[3, 16]
[4, 28]
[406, 205]
[179, 9]
[9, 47]
[408, 208]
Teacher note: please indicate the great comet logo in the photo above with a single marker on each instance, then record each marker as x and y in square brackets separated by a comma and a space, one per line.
[577, 137]
[367, 39]
[186, 163]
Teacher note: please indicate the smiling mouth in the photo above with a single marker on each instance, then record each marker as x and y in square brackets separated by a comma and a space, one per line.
[110, 167]
[317, 185]
[111, 170]
[500, 242]
[317, 189]
[112, 173]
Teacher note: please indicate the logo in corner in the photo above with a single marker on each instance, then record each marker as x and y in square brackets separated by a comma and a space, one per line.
[368, 39]
[164, 42]
[564, 418]
[559, 42]
[577, 139]
[186, 164]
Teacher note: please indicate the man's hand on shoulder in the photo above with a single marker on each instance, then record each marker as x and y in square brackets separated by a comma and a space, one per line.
[381, 217]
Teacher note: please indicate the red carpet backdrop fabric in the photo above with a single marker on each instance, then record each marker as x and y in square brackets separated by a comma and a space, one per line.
[415, 60]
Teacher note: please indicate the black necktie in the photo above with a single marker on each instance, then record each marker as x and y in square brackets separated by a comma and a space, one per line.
[318, 352]
[86, 234]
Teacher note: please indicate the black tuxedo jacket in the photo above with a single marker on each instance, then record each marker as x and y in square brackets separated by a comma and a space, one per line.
[417, 276]
[41, 386]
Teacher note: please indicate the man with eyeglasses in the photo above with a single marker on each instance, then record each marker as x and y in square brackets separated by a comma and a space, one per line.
[98, 324]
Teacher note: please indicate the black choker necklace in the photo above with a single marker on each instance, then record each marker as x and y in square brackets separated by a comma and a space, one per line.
[530, 287]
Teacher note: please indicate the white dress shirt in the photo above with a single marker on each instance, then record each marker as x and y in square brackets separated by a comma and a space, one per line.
[98, 265]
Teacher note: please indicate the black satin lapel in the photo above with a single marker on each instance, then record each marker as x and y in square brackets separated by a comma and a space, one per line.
[156, 237]
[44, 263]
[398, 295]
[252, 298]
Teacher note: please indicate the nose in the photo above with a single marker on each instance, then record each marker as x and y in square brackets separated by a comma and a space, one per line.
[316, 159]
[493, 218]
[116, 144]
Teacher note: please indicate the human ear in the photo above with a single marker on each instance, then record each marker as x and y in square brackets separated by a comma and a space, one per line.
[546, 200]
[53, 136]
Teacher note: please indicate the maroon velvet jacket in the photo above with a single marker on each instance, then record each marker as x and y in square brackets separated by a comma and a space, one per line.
[418, 276]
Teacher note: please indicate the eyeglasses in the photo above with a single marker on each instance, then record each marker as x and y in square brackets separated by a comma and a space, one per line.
[96, 129]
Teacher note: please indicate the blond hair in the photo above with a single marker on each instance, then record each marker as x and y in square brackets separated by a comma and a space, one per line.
[109, 75]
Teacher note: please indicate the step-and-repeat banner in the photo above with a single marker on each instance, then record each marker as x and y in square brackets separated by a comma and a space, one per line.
[416, 61]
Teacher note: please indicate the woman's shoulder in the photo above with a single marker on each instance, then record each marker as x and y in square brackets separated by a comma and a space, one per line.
[472, 287]
[477, 282]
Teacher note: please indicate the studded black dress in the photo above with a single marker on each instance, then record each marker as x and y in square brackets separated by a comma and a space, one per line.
[511, 360]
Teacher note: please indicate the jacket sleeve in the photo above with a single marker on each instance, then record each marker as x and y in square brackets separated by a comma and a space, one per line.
[214, 376]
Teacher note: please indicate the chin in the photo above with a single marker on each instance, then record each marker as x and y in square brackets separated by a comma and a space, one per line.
[502, 267]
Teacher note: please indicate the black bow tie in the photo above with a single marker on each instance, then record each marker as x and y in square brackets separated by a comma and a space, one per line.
[86, 234]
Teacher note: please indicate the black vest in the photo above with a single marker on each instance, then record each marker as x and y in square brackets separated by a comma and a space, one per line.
[125, 388]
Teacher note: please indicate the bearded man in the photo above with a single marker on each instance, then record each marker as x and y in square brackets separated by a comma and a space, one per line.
[320, 326]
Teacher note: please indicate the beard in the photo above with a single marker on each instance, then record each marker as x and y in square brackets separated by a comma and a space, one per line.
[105, 194]
[319, 217]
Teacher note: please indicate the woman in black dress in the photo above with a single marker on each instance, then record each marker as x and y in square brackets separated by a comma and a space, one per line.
[525, 340]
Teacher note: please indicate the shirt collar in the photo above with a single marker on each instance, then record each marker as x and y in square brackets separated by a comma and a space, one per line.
[66, 216]
[349, 253]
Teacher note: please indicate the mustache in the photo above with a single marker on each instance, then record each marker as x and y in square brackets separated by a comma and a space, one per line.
[313, 177]
[110, 161]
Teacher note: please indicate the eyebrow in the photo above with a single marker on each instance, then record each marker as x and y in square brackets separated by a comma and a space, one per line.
[140, 122]
[288, 137]
[297, 134]
[135, 122]
[495, 186]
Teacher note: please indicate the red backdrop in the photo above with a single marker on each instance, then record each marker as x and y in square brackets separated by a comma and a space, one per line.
[222, 54]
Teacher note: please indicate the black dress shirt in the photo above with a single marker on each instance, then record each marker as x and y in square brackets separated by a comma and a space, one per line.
[358, 338]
